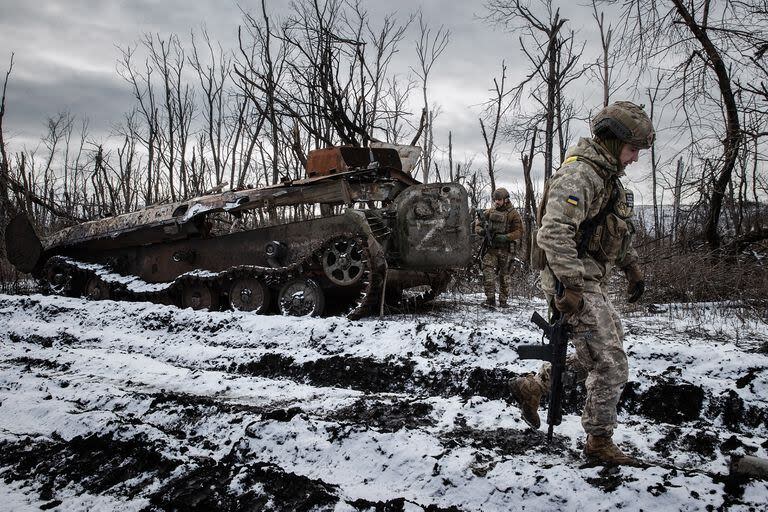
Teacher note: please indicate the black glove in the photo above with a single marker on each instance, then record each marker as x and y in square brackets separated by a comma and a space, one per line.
[636, 290]
[500, 239]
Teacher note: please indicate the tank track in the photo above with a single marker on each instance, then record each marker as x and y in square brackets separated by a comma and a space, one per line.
[67, 276]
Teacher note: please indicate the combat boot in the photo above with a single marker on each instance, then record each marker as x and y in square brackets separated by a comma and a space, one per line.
[527, 391]
[490, 303]
[502, 303]
[602, 449]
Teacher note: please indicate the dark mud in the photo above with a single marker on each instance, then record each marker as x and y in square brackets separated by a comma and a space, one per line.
[381, 414]
[394, 375]
[669, 400]
[108, 465]
[239, 483]
[611, 478]
[61, 338]
[30, 363]
[97, 464]
[396, 505]
[666, 401]
[735, 414]
[703, 443]
[159, 321]
[359, 373]
[505, 441]
[42, 311]
[746, 379]
[672, 402]
[386, 416]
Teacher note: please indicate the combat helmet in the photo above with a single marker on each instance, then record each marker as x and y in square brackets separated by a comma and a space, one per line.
[625, 121]
[500, 193]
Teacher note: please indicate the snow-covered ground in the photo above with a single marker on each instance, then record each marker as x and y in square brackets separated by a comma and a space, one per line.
[137, 406]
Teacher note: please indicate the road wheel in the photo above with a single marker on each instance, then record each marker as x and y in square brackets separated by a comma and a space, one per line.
[59, 279]
[249, 294]
[343, 262]
[96, 289]
[197, 295]
[301, 297]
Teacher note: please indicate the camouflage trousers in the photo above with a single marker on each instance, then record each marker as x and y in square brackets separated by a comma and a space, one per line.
[600, 362]
[496, 267]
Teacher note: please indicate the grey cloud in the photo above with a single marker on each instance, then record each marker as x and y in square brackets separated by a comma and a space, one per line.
[102, 99]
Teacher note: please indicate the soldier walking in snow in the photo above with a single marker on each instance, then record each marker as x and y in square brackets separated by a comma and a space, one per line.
[585, 229]
[506, 227]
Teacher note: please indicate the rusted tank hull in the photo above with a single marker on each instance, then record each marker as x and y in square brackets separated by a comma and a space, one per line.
[366, 233]
[163, 262]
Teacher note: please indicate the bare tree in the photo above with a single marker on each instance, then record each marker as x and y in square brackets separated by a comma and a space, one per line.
[397, 95]
[327, 81]
[429, 47]
[608, 59]
[653, 97]
[4, 165]
[529, 206]
[144, 93]
[166, 102]
[495, 109]
[718, 42]
[553, 64]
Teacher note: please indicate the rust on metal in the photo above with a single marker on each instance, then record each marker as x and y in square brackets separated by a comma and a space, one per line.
[324, 162]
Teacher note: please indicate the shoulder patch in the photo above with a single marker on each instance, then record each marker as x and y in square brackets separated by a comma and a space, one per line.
[572, 200]
[570, 159]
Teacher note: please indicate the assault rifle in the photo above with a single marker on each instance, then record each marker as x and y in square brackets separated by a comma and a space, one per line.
[554, 352]
[487, 237]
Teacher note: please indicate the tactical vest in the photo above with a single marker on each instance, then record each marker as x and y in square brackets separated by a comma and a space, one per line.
[498, 223]
[607, 235]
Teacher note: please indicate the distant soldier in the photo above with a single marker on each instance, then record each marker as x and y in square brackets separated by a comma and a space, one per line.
[585, 230]
[506, 227]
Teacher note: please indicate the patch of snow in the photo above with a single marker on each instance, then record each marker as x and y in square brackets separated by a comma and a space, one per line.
[377, 409]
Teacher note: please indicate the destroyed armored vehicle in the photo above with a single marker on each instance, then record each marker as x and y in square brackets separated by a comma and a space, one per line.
[358, 233]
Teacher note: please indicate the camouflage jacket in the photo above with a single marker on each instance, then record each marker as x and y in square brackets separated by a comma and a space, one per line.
[502, 221]
[583, 189]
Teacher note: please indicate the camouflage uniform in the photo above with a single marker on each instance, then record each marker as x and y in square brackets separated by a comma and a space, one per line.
[584, 186]
[585, 229]
[497, 260]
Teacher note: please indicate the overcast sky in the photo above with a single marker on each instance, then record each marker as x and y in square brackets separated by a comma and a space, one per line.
[66, 56]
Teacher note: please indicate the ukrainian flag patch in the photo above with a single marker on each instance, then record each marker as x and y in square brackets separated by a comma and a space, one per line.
[572, 200]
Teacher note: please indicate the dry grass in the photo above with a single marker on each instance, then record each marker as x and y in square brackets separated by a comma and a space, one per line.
[13, 281]
[676, 276]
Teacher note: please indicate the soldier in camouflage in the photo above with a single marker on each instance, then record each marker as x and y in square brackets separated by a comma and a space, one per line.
[585, 229]
[506, 227]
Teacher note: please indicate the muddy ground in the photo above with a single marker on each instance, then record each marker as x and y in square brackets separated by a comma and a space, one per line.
[120, 406]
